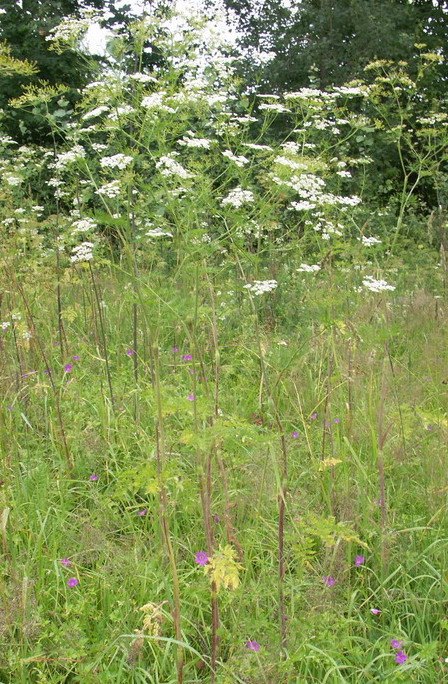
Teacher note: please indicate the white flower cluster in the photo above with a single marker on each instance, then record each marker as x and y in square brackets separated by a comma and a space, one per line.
[121, 111]
[304, 205]
[310, 94]
[157, 232]
[83, 225]
[95, 112]
[5, 325]
[259, 287]
[65, 158]
[170, 167]
[110, 190]
[275, 107]
[238, 160]
[369, 241]
[155, 101]
[306, 268]
[255, 146]
[190, 141]
[117, 161]
[376, 285]
[143, 78]
[12, 180]
[237, 197]
[285, 161]
[82, 252]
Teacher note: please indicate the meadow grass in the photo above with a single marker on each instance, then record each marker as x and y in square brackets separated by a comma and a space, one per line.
[329, 398]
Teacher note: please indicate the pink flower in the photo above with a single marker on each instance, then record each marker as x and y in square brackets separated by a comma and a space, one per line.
[129, 352]
[396, 643]
[65, 561]
[253, 646]
[142, 512]
[313, 416]
[187, 357]
[201, 558]
[359, 560]
[92, 478]
[294, 434]
[374, 611]
[72, 582]
[190, 397]
[328, 581]
[400, 657]
[68, 368]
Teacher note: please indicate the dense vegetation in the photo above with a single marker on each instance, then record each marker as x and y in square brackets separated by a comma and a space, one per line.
[223, 319]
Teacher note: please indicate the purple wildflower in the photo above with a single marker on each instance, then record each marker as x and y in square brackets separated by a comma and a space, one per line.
[335, 420]
[374, 611]
[396, 643]
[400, 657]
[328, 581]
[92, 478]
[65, 561]
[294, 434]
[216, 518]
[72, 582]
[129, 352]
[47, 371]
[430, 427]
[142, 512]
[201, 558]
[75, 358]
[359, 560]
[67, 368]
[327, 423]
[55, 344]
[313, 416]
[187, 357]
[190, 397]
[253, 646]
[175, 349]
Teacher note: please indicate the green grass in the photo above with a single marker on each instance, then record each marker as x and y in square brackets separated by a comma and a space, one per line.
[327, 350]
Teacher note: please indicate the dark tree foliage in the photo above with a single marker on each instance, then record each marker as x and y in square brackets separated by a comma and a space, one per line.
[338, 37]
[24, 29]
